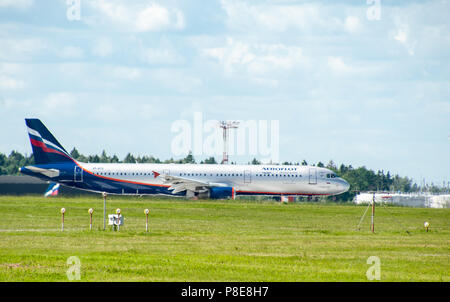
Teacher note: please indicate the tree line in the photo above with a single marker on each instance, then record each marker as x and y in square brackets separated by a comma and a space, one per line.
[360, 179]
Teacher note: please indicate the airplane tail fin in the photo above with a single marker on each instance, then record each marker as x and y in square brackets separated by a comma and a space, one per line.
[52, 190]
[46, 149]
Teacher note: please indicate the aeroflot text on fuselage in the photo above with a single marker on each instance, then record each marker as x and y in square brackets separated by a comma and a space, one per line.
[280, 169]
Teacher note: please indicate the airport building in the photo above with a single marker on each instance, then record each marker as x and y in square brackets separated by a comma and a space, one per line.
[23, 185]
[422, 200]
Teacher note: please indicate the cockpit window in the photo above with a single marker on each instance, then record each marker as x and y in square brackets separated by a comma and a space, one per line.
[331, 175]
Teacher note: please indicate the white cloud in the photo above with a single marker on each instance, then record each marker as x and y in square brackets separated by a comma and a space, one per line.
[352, 24]
[61, 103]
[103, 47]
[7, 82]
[152, 18]
[127, 73]
[148, 111]
[72, 69]
[8, 76]
[256, 58]
[337, 65]
[402, 36]
[160, 56]
[279, 18]
[137, 17]
[21, 49]
[19, 4]
[71, 52]
[176, 80]
[107, 113]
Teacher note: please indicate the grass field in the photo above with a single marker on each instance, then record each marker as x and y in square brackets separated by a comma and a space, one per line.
[219, 241]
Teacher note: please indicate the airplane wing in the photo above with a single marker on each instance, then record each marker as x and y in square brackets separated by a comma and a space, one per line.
[180, 184]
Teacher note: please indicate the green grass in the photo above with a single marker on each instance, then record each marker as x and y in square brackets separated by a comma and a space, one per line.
[219, 241]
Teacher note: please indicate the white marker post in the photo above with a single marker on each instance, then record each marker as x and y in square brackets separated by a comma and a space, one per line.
[63, 210]
[426, 225]
[146, 211]
[104, 210]
[118, 219]
[90, 211]
[372, 227]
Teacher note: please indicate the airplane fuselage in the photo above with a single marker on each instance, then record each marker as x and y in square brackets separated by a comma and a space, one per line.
[141, 179]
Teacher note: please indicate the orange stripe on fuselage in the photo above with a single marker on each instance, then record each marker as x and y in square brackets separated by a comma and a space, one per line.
[278, 193]
[120, 180]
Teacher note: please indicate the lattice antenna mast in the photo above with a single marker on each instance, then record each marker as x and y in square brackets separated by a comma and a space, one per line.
[225, 125]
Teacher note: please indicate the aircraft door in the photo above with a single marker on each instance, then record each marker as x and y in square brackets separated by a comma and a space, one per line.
[312, 176]
[78, 174]
[247, 176]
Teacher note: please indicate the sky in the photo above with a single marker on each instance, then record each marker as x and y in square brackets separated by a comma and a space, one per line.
[361, 82]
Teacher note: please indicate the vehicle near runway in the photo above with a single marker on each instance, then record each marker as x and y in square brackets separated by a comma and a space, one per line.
[54, 163]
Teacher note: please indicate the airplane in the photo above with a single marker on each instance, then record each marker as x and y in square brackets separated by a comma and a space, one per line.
[215, 181]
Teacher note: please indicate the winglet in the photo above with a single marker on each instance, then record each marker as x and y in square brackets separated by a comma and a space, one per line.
[156, 174]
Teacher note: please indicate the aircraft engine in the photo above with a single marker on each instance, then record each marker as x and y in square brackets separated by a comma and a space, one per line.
[221, 193]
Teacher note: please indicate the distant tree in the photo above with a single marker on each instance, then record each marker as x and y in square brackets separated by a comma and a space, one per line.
[210, 160]
[332, 166]
[304, 163]
[15, 156]
[319, 164]
[129, 159]
[255, 162]
[74, 153]
[148, 159]
[104, 158]
[169, 161]
[189, 159]
[342, 169]
[94, 158]
[3, 160]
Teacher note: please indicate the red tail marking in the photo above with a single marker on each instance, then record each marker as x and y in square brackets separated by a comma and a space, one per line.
[44, 147]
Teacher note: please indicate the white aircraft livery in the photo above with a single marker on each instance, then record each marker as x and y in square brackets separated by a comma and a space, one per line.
[53, 163]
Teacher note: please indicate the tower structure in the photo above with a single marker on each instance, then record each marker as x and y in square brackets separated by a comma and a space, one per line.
[225, 125]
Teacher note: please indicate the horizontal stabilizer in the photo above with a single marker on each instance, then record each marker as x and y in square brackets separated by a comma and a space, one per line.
[47, 172]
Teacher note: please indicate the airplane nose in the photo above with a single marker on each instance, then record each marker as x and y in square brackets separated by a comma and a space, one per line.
[345, 186]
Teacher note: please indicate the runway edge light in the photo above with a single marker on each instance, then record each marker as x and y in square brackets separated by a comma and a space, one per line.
[63, 211]
[90, 211]
[146, 211]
